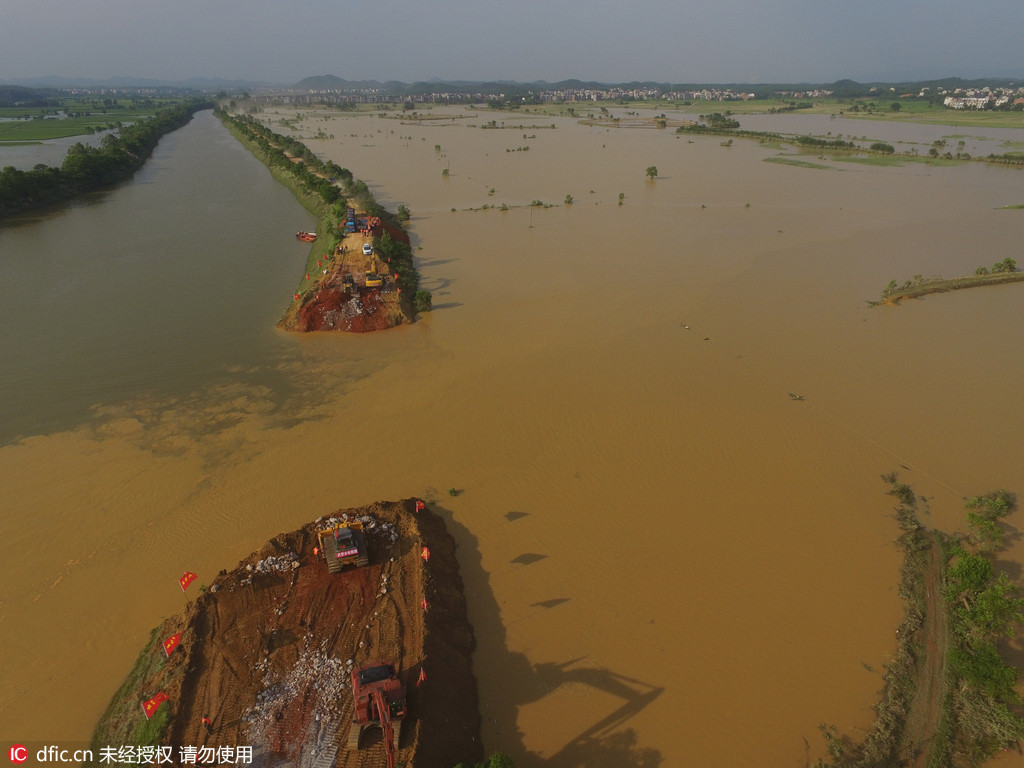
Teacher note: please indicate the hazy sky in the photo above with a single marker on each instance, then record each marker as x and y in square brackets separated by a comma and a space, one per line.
[678, 41]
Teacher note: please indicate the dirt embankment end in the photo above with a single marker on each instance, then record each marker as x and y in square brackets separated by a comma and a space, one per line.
[338, 293]
[266, 651]
[358, 310]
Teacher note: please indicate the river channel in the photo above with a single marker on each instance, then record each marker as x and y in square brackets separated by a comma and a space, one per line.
[666, 556]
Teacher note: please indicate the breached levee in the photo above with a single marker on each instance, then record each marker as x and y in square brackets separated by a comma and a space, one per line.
[266, 652]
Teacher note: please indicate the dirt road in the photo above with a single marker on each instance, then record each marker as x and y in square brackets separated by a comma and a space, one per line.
[926, 709]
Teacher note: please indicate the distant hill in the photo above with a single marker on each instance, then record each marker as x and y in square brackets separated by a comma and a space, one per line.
[19, 96]
[333, 82]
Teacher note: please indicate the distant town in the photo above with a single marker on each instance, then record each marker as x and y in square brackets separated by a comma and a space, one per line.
[952, 93]
[1008, 96]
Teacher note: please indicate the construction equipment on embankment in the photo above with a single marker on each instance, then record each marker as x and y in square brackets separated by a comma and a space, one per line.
[379, 701]
[344, 544]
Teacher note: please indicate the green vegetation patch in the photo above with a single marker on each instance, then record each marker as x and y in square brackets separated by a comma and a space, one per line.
[77, 117]
[40, 129]
[125, 722]
[975, 713]
[787, 160]
[893, 160]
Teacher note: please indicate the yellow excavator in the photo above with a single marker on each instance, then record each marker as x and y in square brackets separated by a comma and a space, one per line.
[373, 278]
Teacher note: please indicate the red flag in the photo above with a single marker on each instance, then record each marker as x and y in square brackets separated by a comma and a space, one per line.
[425, 554]
[171, 643]
[152, 705]
[422, 678]
[420, 506]
[187, 579]
[425, 604]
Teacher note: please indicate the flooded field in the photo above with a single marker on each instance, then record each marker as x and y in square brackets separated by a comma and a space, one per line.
[666, 557]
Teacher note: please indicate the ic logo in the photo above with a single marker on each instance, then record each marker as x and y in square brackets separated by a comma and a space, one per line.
[18, 754]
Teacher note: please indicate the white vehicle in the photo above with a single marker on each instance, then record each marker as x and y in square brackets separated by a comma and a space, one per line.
[367, 249]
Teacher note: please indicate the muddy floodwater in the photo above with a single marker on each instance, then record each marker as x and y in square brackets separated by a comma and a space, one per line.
[667, 559]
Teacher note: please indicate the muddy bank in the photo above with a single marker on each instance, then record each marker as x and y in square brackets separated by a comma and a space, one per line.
[266, 651]
[893, 296]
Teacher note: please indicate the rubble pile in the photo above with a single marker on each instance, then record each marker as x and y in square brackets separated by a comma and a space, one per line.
[318, 680]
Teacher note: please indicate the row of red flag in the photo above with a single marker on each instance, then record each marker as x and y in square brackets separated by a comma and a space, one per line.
[150, 706]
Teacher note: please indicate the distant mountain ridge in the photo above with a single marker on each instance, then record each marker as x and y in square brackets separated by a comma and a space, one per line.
[328, 82]
[842, 88]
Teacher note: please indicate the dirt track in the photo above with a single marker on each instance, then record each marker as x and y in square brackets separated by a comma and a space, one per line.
[925, 713]
[266, 652]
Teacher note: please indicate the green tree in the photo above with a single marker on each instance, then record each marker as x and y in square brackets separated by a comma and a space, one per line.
[403, 213]
[996, 612]
[984, 668]
[651, 172]
[423, 301]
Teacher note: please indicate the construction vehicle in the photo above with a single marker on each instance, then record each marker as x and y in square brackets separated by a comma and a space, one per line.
[344, 544]
[374, 279]
[379, 701]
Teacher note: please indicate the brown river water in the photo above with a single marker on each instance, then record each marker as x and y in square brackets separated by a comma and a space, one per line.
[666, 557]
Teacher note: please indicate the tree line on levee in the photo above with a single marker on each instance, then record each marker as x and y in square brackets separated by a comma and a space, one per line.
[86, 168]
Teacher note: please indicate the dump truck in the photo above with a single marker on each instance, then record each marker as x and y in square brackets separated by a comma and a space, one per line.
[344, 544]
[379, 700]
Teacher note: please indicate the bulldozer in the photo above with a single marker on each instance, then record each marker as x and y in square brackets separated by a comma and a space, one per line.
[379, 700]
[344, 544]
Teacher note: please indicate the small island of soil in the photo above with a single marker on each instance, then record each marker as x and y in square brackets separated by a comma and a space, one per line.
[266, 651]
